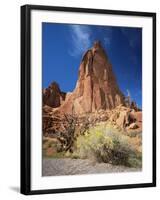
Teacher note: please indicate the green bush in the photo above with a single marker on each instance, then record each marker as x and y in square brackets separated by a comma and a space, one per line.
[105, 144]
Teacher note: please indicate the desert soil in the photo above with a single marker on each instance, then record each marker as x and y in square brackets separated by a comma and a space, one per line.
[68, 166]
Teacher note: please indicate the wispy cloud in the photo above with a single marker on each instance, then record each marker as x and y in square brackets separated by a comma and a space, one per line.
[81, 39]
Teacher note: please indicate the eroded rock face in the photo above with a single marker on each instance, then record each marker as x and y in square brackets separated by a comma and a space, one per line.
[53, 96]
[96, 86]
[96, 98]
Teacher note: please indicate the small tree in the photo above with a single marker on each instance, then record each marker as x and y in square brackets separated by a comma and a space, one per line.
[67, 136]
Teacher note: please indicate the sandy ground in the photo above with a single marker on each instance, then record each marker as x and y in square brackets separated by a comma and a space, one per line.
[68, 166]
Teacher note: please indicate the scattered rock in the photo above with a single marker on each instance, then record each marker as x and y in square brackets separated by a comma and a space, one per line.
[126, 118]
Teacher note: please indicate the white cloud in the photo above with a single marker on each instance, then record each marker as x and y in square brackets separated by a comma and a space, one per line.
[80, 39]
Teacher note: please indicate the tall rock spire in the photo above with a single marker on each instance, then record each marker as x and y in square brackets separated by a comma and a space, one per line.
[96, 86]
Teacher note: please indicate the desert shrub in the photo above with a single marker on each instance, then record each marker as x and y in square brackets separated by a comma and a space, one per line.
[92, 145]
[135, 162]
[105, 144]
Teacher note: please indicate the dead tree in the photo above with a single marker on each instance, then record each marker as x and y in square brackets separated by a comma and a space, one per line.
[67, 137]
[84, 126]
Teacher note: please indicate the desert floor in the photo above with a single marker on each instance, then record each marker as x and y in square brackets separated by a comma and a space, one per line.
[68, 166]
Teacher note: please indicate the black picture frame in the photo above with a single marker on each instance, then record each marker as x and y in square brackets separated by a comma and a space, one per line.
[26, 98]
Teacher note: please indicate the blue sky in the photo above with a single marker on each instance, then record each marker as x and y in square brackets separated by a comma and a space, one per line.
[64, 44]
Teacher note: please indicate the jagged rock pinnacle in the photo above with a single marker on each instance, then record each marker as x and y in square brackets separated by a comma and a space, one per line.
[96, 86]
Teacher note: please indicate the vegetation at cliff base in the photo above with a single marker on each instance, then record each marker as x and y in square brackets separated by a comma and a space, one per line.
[106, 144]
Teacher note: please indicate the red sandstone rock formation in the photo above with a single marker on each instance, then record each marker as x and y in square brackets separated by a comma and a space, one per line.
[53, 96]
[126, 118]
[96, 87]
[96, 97]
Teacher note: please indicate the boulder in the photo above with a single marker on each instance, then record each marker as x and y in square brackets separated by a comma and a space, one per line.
[126, 118]
[122, 120]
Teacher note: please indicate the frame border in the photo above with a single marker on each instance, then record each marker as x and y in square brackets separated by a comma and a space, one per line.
[25, 146]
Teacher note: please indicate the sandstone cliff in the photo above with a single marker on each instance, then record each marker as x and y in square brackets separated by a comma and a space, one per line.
[96, 97]
[96, 86]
